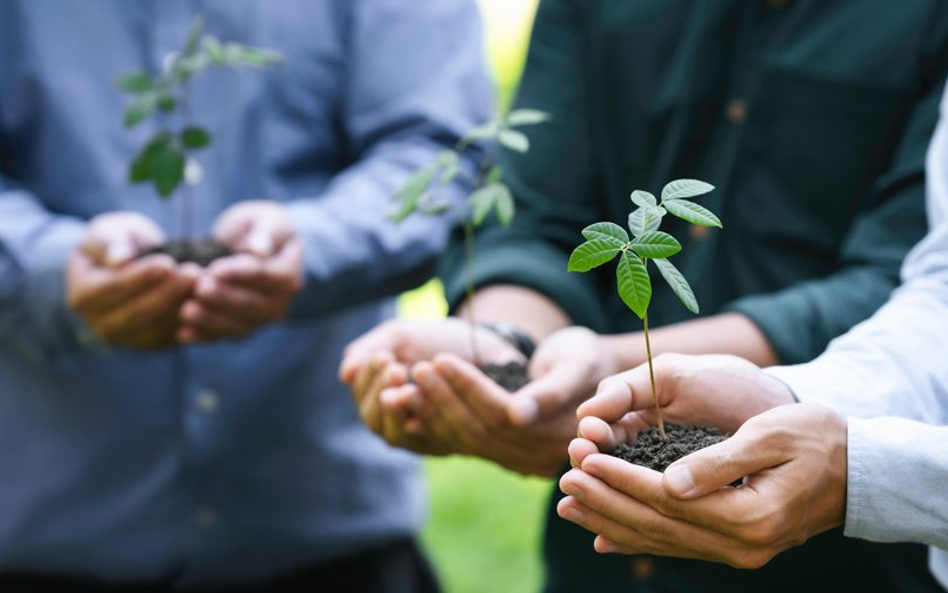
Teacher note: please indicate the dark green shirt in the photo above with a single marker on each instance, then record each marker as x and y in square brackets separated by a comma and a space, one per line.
[812, 118]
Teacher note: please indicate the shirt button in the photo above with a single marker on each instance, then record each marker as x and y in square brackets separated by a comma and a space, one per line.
[736, 111]
[643, 569]
[208, 401]
[699, 233]
[206, 517]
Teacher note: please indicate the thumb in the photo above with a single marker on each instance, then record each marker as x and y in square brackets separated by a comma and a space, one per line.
[548, 394]
[713, 468]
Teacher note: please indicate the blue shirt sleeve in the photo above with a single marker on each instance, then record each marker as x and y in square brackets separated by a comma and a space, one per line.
[34, 247]
[417, 84]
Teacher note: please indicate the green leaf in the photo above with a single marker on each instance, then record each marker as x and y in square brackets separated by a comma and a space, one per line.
[166, 102]
[141, 168]
[645, 219]
[435, 209]
[214, 49]
[167, 168]
[236, 54]
[678, 284]
[135, 82]
[141, 108]
[643, 198]
[655, 244]
[591, 254]
[693, 213]
[685, 188]
[411, 192]
[514, 140]
[194, 137]
[504, 204]
[607, 231]
[526, 117]
[449, 166]
[194, 36]
[482, 202]
[635, 288]
[494, 175]
[486, 131]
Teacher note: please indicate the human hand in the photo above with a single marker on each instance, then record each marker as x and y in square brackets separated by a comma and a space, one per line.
[453, 407]
[237, 294]
[709, 390]
[378, 364]
[128, 302]
[794, 460]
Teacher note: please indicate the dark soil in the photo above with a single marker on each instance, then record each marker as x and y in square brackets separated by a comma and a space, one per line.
[651, 451]
[199, 251]
[511, 376]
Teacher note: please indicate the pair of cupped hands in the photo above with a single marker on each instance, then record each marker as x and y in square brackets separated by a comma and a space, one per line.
[416, 386]
[153, 302]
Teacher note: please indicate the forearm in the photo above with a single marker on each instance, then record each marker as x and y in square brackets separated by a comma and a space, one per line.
[528, 310]
[727, 333]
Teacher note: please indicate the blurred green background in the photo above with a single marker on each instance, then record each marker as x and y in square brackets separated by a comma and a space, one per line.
[484, 531]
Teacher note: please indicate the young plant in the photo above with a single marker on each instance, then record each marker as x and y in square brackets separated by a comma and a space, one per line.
[419, 193]
[164, 159]
[606, 240]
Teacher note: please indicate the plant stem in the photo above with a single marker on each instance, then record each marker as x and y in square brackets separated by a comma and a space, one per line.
[651, 374]
[469, 288]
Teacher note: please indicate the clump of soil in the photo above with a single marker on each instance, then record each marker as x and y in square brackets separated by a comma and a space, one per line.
[199, 251]
[652, 452]
[511, 376]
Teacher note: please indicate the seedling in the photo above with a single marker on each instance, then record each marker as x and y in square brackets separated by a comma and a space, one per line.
[165, 159]
[605, 241]
[491, 195]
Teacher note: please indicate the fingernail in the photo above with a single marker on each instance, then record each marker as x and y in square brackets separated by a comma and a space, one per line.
[572, 489]
[592, 470]
[572, 514]
[525, 411]
[680, 479]
[118, 254]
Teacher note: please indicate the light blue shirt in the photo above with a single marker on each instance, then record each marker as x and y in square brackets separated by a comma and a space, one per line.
[889, 375]
[242, 459]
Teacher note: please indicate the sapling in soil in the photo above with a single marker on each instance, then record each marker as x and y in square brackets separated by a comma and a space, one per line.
[606, 241]
[165, 160]
[490, 195]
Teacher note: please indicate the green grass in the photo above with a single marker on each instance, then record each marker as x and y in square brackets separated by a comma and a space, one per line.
[485, 526]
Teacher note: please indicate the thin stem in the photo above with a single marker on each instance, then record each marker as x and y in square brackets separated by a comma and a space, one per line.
[651, 374]
[187, 192]
[469, 287]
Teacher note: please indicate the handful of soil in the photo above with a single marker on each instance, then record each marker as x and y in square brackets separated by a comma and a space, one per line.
[651, 451]
[511, 376]
[199, 251]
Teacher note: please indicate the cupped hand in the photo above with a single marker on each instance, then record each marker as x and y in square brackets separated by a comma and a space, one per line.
[237, 294]
[794, 460]
[127, 302]
[709, 390]
[377, 367]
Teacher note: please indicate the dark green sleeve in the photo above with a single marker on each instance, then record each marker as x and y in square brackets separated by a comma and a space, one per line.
[801, 320]
[553, 184]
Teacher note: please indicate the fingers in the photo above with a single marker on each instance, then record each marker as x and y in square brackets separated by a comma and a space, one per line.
[549, 394]
[154, 307]
[93, 290]
[714, 467]
[257, 227]
[114, 239]
[613, 398]
[484, 397]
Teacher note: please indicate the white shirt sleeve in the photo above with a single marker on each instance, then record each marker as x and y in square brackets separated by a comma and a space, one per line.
[895, 364]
